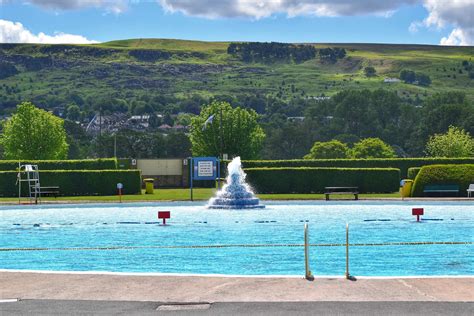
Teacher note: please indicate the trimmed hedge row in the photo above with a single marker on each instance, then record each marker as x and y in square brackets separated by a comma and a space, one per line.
[77, 182]
[313, 180]
[83, 164]
[400, 163]
[462, 175]
[412, 172]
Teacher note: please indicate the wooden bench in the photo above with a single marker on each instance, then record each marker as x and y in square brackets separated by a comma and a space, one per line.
[440, 189]
[341, 190]
[51, 191]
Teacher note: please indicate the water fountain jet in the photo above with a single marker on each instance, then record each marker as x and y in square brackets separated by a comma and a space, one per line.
[236, 193]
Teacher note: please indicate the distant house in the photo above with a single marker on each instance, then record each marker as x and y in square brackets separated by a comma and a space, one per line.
[391, 80]
[295, 118]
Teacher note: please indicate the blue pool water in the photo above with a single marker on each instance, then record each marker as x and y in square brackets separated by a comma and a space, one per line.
[106, 225]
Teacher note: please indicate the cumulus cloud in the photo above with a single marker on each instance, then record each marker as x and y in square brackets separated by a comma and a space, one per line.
[115, 6]
[450, 13]
[264, 8]
[15, 32]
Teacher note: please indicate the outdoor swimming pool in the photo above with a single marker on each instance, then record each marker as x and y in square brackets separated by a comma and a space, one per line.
[135, 226]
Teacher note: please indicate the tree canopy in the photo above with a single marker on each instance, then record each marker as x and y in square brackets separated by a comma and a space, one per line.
[456, 142]
[333, 149]
[372, 148]
[241, 134]
[33, 134]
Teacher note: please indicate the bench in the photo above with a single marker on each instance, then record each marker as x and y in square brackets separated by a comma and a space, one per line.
[341, 190]
[440, 189]
[51, 191]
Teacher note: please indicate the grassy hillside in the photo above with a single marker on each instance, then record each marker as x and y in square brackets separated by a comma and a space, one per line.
[143, 69]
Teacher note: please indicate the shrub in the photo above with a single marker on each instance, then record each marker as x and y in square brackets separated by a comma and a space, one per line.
[328, 150]
[78, 182]
[412, 172]
[462, 175]
[400, 163]
[313, 180]
[83, 164]
[372, 148]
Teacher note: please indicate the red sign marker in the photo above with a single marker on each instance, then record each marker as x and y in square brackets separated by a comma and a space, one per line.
[417, 212]
[164, 215]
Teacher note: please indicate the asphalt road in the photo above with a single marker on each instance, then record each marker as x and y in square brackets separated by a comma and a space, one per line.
[77, 307]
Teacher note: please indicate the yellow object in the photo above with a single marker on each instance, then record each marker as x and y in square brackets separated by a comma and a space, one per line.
[405, 188]
[149, 185]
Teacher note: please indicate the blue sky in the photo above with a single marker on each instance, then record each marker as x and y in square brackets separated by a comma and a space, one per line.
[449, 22]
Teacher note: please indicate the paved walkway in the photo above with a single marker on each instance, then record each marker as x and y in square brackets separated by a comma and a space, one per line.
[62, 307]
[118, 287]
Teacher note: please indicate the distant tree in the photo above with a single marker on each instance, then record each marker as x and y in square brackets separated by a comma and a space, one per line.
[423, 79]
[456, 142]
[241, 134]
[7, 70]
[73, 112]
[408, 76]
[372, 148]
[33, 134]
[370, 71]
[333, 149]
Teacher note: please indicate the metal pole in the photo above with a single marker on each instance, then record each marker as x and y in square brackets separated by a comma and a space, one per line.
[308, 275]
[115, 145]
[347, 252]
[220, 134]
[191, 176]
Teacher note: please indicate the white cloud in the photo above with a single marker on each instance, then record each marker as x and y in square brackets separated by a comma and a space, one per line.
[458, 37]
[449, 13]
[258, 9]
[15, 32]
[115, 6]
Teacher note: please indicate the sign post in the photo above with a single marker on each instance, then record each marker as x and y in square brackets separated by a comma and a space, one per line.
[119, 188]
[203, 168]
[418, 212]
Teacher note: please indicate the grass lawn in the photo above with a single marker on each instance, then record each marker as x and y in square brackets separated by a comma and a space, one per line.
[199, 194]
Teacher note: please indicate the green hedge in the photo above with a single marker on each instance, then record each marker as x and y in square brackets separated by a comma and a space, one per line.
[77, 182]
[412, 172]
[400, 163]
[462, 175]
[313, 180]
[84, 164]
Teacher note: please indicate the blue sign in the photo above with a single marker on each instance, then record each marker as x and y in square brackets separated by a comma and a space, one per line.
[205, 168]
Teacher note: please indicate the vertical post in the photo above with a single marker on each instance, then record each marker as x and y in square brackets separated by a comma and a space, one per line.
[308, 275]
[191, 176]
[120, 195]
[115, 145]
[218, 174]
[348, 276]
[220, 133]
[19, 182]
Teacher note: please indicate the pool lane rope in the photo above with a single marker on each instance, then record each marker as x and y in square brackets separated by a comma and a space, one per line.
[413, 243]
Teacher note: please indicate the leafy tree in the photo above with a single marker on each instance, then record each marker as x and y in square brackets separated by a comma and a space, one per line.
[73, 112]
[408, 76]
[423, 79]
[328, 150]
[456, 142]
[372, 148]
[241, 134]
[369, 71]
[33, 133]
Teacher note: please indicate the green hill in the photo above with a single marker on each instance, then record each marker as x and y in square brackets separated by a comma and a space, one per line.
[161, 71]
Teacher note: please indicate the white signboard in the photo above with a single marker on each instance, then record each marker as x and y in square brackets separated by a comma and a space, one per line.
[205, 169]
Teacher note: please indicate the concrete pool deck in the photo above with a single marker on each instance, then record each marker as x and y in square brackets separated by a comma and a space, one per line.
[166, 288]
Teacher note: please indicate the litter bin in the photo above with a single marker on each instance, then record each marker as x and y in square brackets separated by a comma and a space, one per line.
[149, 182]
[405, 187]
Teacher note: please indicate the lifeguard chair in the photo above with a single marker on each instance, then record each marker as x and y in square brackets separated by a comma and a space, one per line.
[30, 175]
